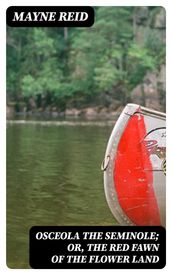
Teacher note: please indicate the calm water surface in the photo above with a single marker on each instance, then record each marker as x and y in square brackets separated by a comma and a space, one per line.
[53, 178]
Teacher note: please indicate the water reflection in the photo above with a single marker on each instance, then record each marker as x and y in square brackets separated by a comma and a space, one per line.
[53, 178]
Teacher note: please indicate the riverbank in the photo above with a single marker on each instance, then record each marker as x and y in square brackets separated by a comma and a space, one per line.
[90, 114]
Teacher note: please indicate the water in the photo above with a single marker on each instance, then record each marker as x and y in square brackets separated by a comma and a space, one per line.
[53, 178]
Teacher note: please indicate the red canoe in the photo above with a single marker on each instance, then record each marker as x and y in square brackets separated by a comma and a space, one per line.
[135, 166]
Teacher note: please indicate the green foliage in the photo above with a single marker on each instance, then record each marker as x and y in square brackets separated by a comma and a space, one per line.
[140, 61]
[30, 86]
[73, 64]
[139, 55]
[106, 77]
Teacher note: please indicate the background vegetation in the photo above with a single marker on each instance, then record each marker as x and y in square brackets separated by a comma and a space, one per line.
[60, 68]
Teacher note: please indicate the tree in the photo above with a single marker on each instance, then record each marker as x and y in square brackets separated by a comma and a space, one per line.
[65, 66]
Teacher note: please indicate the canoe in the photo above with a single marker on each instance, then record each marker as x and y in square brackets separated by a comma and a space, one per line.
[135, 167]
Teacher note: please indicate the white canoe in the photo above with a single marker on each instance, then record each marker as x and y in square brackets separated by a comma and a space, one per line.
[135, 166]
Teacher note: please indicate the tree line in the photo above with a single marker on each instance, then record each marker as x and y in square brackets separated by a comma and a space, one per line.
[76, 67]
